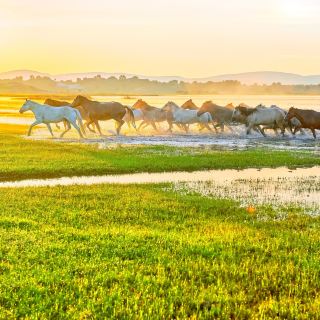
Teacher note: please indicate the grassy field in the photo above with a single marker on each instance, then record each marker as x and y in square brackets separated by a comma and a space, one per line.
[22, 159]
[103, 252]
[144, 251]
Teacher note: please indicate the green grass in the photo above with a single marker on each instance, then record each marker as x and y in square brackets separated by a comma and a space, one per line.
[132, 252]
[22, 159]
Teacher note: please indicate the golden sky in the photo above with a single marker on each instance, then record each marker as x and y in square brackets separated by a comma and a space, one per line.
[193, 38]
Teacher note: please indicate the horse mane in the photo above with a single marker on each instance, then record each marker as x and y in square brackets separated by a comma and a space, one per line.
[207, 103]
[56, 103]
[246, 111]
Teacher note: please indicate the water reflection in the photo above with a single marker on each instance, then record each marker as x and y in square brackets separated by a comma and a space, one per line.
[280, 186]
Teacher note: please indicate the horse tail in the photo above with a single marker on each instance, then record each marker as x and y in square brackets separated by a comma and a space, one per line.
[200, 113]
[210, 118]
[131, 116]
[79, 118]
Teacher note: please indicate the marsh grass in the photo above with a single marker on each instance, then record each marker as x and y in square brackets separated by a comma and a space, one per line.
[141, 252]
[279, 193]
[25, 159]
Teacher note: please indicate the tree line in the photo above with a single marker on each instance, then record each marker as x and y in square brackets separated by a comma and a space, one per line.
[136, 86]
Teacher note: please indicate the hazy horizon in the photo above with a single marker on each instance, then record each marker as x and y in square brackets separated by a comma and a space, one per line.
[190, 38]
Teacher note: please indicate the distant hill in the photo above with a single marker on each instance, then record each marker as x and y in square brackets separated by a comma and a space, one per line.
[267, 77]
[249, 78]
[25, 74]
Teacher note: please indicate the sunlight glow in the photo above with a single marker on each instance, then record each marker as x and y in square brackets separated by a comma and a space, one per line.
[297, 9]
[193, 38]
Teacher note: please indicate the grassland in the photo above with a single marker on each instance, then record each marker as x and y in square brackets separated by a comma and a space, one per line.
[23, 159]
[103, 252]
[144, 251]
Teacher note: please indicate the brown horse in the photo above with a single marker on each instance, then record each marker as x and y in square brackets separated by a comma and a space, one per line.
[94, 111]
[151, 115]
[309, 119]
[189, 105]
[221, 115]
[58, 103]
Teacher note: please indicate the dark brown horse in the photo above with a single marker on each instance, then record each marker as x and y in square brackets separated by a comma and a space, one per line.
[309, 119]
[221, 115]
[56, 103]
[95, 111]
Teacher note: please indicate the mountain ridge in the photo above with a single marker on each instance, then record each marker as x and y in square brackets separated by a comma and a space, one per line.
[248, 78]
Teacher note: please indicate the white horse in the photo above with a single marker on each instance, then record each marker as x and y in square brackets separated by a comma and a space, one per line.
[138, 116]
[254, 117]
[46, 114]
[184, 117]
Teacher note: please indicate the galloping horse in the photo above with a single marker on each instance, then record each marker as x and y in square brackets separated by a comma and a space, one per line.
[138, 116]
[57, 103]
[189, 105]
[94, 111]
[260, 115]
[185, 117]
[151, 115]
[309, 119]
[221, 115]
[46, 114]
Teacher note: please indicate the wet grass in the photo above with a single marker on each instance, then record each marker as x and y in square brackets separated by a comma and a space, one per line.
[277, 193]
[133, 252]
[23, 159]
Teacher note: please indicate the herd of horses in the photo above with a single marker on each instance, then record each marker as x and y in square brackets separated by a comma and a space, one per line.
[84, 113]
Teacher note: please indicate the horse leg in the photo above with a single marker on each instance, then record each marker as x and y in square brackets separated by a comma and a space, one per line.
[88, 123]
[313, 132]
[57, 126]
[66, 130]
[78, 129]
[249, 127]
[50, 130]
[65, 123]
[98, 126]
[222, 127]
[262, 131]
[170, 126]
[32, 125]
[141, 124]
[120, 124]
[205, 125]
[281, 126]
[154, 126]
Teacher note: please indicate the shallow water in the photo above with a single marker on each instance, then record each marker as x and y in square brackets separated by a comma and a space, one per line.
[275, 187]
[228, 140]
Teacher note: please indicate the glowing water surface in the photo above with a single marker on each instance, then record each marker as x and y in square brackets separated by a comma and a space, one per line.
[280, 186]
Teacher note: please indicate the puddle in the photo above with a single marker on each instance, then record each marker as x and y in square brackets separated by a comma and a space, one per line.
[276, 187]
[236, 140]
[225, 141]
